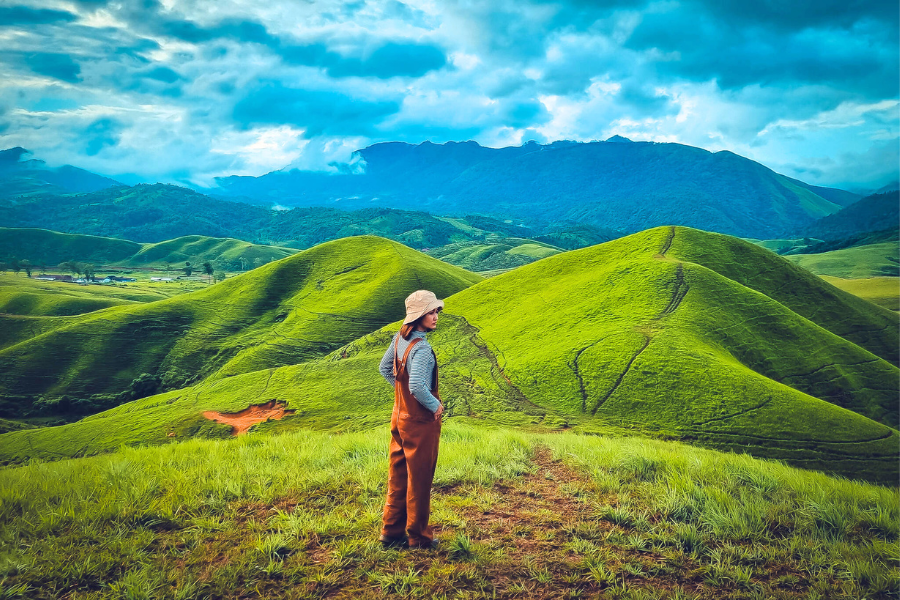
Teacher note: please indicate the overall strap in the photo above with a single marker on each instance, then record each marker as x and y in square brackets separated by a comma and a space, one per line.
[412, 343]
[409, 348]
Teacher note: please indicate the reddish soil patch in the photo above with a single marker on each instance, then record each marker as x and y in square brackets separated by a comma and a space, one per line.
[242, 421]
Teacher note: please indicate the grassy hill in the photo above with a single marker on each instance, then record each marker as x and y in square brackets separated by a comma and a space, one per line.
[32, 297]
[672, 332]
[519, 515]
[27, 297]
[883, 291]
[150, 213]
[493, 253]
[49, 248]
[225, 253]
[282, 313]
[872, 260]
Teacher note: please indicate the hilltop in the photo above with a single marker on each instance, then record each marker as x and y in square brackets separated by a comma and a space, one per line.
[285, 312]
[672, 332]
[616, 185]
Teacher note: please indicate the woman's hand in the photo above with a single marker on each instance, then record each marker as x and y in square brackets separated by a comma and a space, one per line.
[439, 412]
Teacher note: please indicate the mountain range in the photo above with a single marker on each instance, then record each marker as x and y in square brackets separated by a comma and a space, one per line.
[617, 184]
[23, 176]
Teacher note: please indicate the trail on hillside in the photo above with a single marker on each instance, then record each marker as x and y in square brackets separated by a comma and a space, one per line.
[514, 394]
[621, 376]
[679, 291]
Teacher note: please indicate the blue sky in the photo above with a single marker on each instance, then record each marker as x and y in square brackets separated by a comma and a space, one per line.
[184, 91]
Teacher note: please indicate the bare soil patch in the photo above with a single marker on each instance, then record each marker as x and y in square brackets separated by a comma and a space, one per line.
[242, 421]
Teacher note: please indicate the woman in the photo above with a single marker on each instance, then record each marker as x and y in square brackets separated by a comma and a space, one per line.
[411, 367]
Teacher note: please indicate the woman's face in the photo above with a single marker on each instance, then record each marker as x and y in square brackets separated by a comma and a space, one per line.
[430, 319]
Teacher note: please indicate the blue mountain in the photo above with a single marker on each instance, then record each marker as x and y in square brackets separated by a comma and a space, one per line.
[616, 184]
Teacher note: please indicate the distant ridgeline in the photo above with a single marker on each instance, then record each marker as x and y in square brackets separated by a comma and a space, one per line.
[566, 195]
[671, 332]
[187, 225]
[878, 212]
[618, 184]
[45, 249]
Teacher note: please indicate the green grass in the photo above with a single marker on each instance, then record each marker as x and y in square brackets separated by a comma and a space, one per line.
[839, 312]
[493, 253]
[199, 248]
[883, 291]
[871, 260]
[625, 336]
[49, 248]
[20, 295]
[521, 515]
[285, 312]
[781, 246]
[45, 247]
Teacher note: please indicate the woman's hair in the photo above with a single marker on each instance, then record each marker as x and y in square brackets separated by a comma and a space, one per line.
[408, 328]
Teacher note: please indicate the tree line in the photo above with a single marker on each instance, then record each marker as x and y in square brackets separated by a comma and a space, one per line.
[76, 268]
[90, 270]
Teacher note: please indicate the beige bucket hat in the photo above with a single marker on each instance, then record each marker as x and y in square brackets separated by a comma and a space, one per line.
[420, 302]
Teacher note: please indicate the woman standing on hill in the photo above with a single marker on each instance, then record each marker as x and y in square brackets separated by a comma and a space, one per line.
[411, 367]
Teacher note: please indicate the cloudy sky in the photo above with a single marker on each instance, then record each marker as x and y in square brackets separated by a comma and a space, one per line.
[184, 91]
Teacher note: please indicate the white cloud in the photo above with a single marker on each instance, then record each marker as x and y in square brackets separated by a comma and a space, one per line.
[515, 71]
[848, 114]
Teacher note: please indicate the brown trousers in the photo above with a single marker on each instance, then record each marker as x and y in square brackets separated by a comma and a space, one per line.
[415, 434]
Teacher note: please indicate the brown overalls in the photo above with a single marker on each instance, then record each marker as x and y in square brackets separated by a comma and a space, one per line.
[413, 456]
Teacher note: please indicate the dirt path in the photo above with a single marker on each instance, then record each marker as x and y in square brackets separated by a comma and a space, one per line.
[242, 421]
[544, 525]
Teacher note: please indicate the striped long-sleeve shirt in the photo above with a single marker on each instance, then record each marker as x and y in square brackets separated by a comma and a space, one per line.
[420, 365]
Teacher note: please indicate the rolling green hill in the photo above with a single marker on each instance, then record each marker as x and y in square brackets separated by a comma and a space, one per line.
[493, 253]
[282, 313]
[226, 253]
[872, 260]
[474, 242]
[883, 291]
[23, 296]
[671, 332]
[49, 248]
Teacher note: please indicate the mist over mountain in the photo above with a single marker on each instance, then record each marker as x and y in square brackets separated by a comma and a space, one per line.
[20, 175]
[616, 184]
